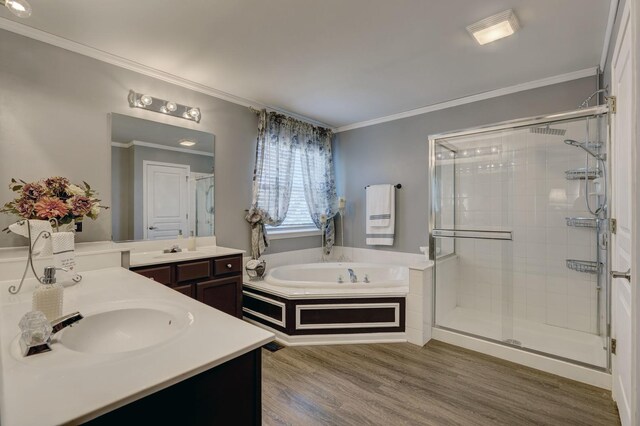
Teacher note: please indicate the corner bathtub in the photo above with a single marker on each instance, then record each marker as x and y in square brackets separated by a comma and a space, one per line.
[306, 303]
[328, 275]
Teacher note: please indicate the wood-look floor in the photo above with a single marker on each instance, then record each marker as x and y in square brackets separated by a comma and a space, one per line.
[439, 384]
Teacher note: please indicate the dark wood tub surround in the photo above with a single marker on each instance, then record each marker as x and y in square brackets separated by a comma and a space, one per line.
[296, 317]
[216, 281]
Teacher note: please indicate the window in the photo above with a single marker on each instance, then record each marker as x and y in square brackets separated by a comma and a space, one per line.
[298, 220]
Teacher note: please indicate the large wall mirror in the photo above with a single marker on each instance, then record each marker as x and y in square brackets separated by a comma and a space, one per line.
[162, 180]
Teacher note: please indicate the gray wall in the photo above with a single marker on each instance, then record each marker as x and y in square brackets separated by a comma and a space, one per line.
[53, 121]
[396, 152]
[121, 190]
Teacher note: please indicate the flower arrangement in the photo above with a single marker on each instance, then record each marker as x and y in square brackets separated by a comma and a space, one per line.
[53, 198]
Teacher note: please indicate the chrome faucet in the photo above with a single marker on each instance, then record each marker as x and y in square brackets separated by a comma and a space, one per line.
[37, 331]
[174, 249]
[352, 276]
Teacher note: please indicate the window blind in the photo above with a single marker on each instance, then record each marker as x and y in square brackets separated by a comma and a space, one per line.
[298, 215]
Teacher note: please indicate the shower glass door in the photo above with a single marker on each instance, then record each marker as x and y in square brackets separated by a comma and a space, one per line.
[472, 234]
[518, 234]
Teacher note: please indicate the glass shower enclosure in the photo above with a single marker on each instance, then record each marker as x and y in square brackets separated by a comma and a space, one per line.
[518, 233]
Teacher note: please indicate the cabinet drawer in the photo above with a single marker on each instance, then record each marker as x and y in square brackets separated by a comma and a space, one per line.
[227, 265]
[161, 274]
[193, 270]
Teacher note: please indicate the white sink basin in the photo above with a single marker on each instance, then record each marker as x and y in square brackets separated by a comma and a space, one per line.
[125, 329]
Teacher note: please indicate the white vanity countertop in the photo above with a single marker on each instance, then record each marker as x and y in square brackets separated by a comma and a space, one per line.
[64, 386]
[146, 258]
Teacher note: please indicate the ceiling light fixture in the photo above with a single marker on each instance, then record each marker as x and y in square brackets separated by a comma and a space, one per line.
[494, 27]
[187, 142]
[20, 8]
[139, 100]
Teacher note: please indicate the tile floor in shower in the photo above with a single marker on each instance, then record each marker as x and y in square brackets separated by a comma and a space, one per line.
[563, 342]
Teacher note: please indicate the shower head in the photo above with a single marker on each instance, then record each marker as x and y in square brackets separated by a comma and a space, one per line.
[583, 146]
[547, 131]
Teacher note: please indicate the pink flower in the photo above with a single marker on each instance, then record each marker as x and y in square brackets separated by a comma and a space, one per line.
[51, 207]
[57, 185]
[24, 207]
[33, 190]
[79, 205]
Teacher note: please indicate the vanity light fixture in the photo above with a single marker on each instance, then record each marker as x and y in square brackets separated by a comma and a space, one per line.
[187, 142]
[494, 27]
[20, 8]
[144, 101]
[194, 113]
[170, 106]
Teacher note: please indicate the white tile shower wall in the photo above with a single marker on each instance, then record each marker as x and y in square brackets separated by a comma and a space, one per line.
[522, 186]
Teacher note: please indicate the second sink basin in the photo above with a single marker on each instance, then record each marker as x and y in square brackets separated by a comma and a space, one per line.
[125, 329]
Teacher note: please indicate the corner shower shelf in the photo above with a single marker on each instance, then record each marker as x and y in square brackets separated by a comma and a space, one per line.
[581, 173]
[586, 266]
[582, 222]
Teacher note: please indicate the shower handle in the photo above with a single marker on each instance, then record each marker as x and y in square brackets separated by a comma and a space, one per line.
[625, 275]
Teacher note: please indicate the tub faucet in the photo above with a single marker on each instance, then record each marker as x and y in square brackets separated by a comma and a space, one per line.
[352, 276]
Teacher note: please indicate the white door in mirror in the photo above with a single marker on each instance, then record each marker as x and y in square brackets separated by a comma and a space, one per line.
[166, 200]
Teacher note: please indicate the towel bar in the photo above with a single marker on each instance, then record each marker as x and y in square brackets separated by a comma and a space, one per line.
[397, 186]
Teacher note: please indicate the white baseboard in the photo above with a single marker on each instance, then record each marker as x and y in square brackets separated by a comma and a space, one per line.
[333, 339]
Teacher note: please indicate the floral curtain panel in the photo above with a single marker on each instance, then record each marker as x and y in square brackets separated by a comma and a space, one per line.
[280, 140]
[318, 178]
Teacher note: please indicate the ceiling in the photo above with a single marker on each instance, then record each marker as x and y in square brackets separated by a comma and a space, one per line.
[335, 61]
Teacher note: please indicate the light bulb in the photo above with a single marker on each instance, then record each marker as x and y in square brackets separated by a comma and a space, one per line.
[193, 113]
[20, 8]
[146, 100]
[171, 106]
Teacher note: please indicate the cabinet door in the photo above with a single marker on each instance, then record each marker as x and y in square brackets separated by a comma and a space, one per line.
[224, 294]
[187, 289]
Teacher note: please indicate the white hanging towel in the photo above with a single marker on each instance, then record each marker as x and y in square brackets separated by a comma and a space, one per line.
[380, 211]
[64, 255]
[43, 246]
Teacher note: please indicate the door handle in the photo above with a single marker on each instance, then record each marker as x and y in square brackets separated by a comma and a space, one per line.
[625, 275]
[153, 227]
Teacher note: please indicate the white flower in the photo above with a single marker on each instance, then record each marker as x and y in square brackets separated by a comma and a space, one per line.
[323, 218]
[75, 190]
[95, 210]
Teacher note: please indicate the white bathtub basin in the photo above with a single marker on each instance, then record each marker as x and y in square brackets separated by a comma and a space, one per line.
[124, 330]
[329, 275]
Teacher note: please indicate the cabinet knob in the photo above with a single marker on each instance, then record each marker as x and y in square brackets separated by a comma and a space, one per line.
[229, 266]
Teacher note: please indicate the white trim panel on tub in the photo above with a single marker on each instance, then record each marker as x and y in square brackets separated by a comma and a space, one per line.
[281, 305]
[394, 306]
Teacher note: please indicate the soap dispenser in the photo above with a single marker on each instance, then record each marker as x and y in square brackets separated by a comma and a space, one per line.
[191, 244]
[47, 297]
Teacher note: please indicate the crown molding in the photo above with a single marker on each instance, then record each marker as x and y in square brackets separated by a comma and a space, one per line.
[475, 98]
[158, 146]
[100, 55]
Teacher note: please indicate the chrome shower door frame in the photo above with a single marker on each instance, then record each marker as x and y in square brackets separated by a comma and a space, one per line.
[515, 124]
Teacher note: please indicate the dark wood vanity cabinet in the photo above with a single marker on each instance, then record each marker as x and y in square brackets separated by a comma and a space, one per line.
[216, 282]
